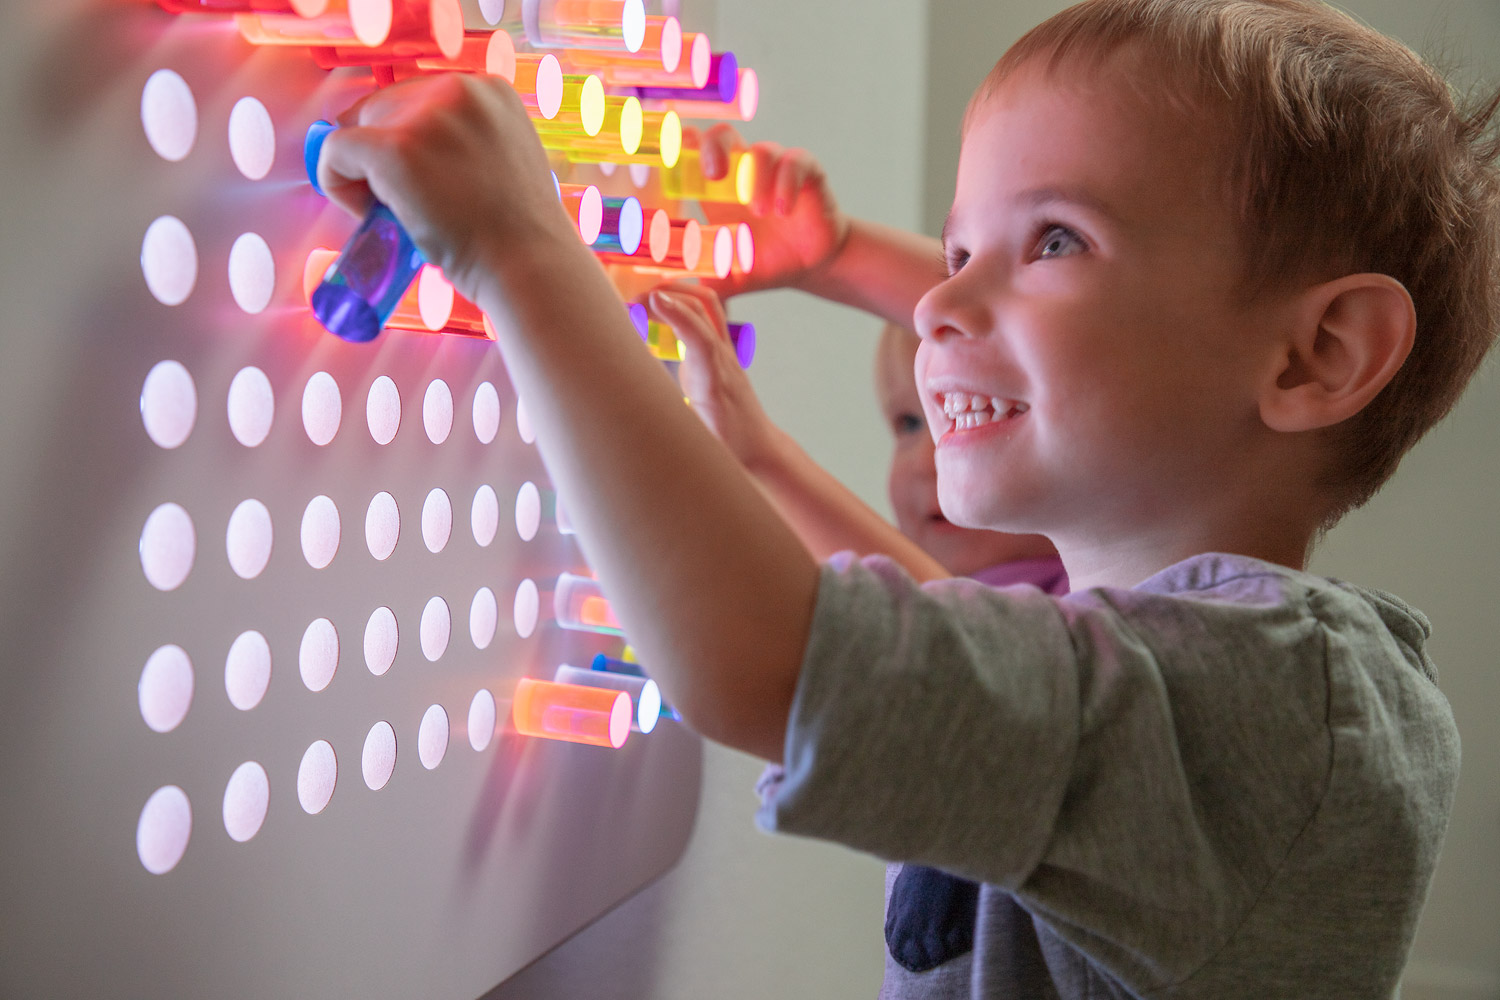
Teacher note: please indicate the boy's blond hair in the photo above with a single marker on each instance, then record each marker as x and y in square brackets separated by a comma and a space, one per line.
[1347, 154]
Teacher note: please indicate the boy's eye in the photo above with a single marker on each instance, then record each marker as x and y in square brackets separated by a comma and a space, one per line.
[954, 259]
[908, 423]
[1059, 241]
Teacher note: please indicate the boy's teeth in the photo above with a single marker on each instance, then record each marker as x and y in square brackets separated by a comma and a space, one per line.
[969, 410]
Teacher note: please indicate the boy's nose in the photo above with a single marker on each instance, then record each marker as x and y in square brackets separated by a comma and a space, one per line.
[946, 311]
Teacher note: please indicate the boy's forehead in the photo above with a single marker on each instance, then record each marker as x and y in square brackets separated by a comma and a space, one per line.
[1095, 136]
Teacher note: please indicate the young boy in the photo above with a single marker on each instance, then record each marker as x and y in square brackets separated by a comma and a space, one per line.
[1213, 266]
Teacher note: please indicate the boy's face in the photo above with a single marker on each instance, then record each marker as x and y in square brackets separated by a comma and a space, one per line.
[912, 484]
[1088, 369]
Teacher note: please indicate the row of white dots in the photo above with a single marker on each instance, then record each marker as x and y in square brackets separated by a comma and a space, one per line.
[166, 686]
[166, 821]
[169, 408]
[169, 542]
[169, 263]
[169, 117]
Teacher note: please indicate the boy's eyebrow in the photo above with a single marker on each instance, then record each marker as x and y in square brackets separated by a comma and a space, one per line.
[1043, 196]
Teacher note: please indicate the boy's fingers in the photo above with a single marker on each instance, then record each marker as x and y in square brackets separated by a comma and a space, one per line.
[345, 163]
[790, 175]
[714, 149]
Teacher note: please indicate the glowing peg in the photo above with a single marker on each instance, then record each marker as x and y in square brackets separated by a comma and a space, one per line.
[539, 82]
[492, 53]
[719, 260]
[579, 604]
[319, 259]
[675, 246]
[643, 692]
[586, 208]
[427, 305]
[581, 110]
[663, 343]
[659, 63]
[723, 83]
[302, 8]
[618, 25]
[419, 29]
[686, 180]
[744, 248]
[662, 340]
[574, 713]
[622, 227]
[741, 109]
[343, 22]
[628, 667]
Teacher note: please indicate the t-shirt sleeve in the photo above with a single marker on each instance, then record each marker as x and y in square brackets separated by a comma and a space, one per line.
[1108, 756]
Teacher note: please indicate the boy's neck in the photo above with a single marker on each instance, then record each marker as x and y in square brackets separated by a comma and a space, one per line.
[1108, 563]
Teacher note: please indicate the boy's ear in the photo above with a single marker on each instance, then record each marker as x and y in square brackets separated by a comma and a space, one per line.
[1349, 338]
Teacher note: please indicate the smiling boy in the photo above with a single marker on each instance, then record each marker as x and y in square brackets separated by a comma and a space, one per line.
[1214, 265]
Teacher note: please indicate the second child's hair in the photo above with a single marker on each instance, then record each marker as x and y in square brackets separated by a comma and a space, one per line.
[1347, 154]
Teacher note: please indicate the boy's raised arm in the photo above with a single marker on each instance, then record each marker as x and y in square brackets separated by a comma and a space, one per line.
[712, 586]
[824, 513]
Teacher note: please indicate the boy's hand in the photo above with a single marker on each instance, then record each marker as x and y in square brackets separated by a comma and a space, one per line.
[710, 374]
[797, 225]
[458, 161]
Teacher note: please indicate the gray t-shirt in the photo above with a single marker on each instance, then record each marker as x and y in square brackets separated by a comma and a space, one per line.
[1230, 781]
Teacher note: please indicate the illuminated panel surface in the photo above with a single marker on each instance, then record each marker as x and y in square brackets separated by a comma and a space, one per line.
[278, 744]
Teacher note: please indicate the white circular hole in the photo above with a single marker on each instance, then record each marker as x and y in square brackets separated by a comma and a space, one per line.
[318, 657]
[437, 626]
[523, 423]
[492, 11]
[161, 835]
[381, 638]
[528, 511]
[383, 410]
[432, 737]
[169, 261]
[169, 115]
[484, 515]
[484, 616]
[247, 670]
[528, 607]
[322, 408]
[481, 719]
[252, 406]
[640, 175]
[166, 688]
[252, 273]
[245, 799]
[320, 531]
[382, 525]
[437, 520]
[316, 777]
[486, 412]
[379, 758]
[169, 403]
[248, 540]
[168, 545]
[252, 138]
[633, 22]
[437, 411]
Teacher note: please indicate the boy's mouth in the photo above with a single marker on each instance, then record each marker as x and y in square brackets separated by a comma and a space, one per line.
[968, 410]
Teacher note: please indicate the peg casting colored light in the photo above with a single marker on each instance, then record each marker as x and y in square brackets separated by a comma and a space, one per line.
[419, 29]
[685, 181]
[741, 109]
[579, 604]
[627, 666]
[644, 694]
[655, 65]
[539, 82]
[302, 8]
[367, 281]
[722, 86]
[491, 53]
[585, 24]
[574, 713]
[620, 230]
[357, 22]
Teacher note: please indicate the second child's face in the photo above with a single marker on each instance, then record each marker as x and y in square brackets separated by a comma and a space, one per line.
[1089, 366]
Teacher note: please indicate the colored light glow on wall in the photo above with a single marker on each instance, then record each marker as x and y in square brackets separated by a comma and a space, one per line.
[573, 713]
